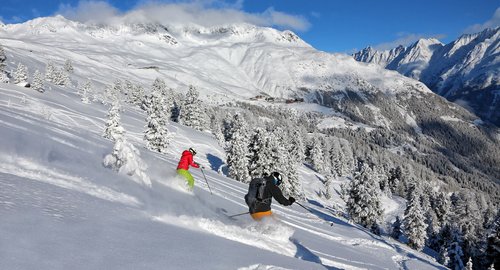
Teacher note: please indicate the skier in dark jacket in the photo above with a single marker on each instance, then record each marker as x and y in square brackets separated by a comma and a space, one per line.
[262, 207]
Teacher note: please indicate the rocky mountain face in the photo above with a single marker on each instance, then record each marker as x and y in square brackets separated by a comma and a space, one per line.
[381, 110]
[466, 71]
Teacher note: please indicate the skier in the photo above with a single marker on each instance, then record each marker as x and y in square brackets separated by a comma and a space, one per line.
[183, 167]
[260, 194]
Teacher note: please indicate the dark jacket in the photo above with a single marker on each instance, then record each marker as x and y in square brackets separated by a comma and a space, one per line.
[271, 191]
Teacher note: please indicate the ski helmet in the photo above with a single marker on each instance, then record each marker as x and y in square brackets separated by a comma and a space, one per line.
[192, 151]
[277, 178]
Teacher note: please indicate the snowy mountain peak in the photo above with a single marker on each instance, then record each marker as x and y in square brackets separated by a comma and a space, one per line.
[465, 69]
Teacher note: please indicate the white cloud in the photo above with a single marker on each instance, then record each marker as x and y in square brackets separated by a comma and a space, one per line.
[405, 39]
[205, 13]
[491, 23]
[89, 11]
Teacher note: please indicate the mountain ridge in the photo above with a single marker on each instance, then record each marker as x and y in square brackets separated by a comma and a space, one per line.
[464, 70]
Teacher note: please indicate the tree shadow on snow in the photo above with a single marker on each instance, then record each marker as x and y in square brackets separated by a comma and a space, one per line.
[305, 254]
[215, 162]
[325, 217]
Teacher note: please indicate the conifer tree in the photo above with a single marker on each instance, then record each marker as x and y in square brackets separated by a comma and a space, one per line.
[38, 82]
[156, 134]
[113, 128]
[175, 111]
[286, 163]
[192, 114]
[136, 95]
[237, 152]
[414, 220]
[493, 243]
[126, 159]
[128, 88]
[467, 217]
[296, 146]
[21, 74]
[50, 71]
[86, 91]
[454, 251]
[396, 228]
[363, 204]
[3, 59]
[468, 265]
[259, 154]
[317, 155]
[328, 185]
[68, 66]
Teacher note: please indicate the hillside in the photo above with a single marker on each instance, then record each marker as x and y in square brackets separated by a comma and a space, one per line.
[61, 208]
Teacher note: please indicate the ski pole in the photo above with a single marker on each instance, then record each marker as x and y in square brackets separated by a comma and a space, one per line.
[206, 181]
[239, 214]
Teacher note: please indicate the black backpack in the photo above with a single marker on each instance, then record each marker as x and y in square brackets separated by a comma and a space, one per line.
[255, 192]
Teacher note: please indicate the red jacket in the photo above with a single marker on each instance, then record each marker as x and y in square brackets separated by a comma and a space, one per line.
[186, 160]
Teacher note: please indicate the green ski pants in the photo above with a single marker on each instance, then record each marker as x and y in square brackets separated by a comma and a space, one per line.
[189, 178]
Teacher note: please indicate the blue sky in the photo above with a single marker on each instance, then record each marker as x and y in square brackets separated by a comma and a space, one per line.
[328, 25]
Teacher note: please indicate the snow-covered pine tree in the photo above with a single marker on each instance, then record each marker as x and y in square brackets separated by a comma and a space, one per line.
[21, 74]
[3, 59]
[414, 220]
[296, 145]
[467, 217]
[259, 161]
[50, 71]
[126, 159]
[38, 82]
[454, 251]
[394, 179]
[59, 77]
[192, 112]
[396, 228]
[3, 72]
[68, 66]
[336, 155]
[175, 111]
[113, 129]
[363, 202]
[468, 265]
[86, 91]
[328, 186]
[136, 95]
[317, 155]
[287, 164]
[216, 126]
[128, 88]
[493, 243]
[442, 207]
[237, 152]
[156, 134]
[118, 89]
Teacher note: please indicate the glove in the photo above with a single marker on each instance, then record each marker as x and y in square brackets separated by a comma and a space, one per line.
[292, 200]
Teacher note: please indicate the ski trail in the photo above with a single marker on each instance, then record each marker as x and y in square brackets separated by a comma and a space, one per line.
[266, 236]
[29, 169]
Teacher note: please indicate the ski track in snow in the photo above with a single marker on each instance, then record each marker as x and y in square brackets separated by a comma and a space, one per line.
[31, 170]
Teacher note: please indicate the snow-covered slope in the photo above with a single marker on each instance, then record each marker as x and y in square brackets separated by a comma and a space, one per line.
[466, 69]
[62, 209]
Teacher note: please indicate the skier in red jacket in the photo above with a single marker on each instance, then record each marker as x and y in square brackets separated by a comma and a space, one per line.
[183, 167]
